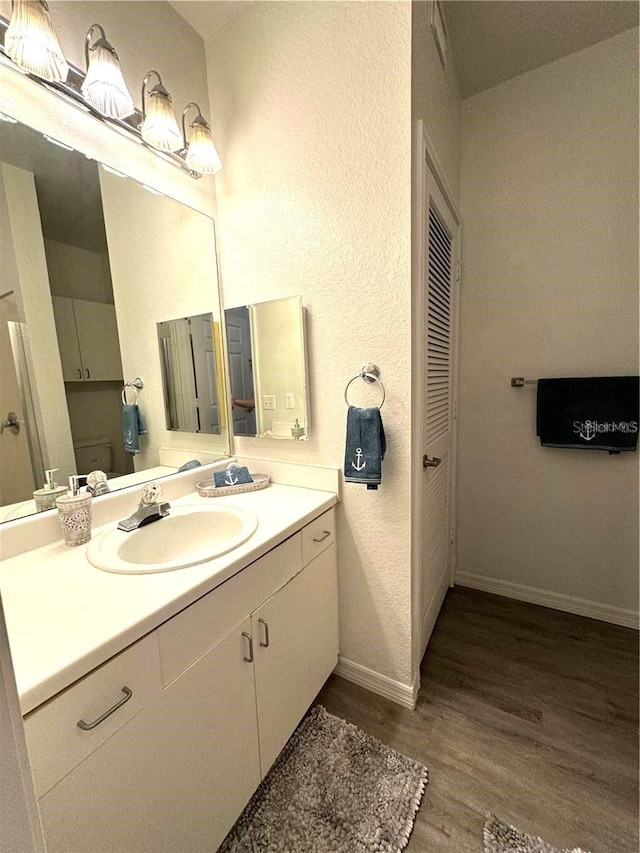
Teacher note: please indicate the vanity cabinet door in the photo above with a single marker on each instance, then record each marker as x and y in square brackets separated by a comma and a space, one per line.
[176, 776]
[295, 639]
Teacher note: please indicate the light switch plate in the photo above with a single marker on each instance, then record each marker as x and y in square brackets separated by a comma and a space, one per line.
[289, 401]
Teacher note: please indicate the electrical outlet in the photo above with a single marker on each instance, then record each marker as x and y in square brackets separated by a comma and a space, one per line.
[269, 402]
[289, 401]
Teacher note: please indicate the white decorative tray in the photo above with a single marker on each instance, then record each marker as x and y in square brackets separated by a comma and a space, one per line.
[208, 488]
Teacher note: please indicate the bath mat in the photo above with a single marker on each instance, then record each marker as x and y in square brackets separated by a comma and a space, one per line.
[499, 837]
[333, 789]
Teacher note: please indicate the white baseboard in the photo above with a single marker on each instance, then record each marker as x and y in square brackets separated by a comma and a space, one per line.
[546, 598]
[403, 694]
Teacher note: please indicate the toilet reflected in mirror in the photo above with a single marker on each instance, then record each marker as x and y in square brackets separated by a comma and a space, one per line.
[266, 352]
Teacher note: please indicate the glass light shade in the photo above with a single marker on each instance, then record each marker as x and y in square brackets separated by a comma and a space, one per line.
[104, 87]
[31, 42]
[159, 127]
[202, 156]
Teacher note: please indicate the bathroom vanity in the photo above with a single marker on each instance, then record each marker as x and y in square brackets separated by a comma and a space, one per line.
[155, 704]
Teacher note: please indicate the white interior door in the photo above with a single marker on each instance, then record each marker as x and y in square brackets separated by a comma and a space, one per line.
[240, 369]
[204, 369]
[16, 473]
[436, 335]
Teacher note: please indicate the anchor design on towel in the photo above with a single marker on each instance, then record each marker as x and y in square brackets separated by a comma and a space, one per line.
[358, 465]
[588, 430]
[229, 479]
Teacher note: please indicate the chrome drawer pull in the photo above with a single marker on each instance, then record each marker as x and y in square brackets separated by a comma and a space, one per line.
[323, 537]
[265, 645]
[86, 727]
[250, 638]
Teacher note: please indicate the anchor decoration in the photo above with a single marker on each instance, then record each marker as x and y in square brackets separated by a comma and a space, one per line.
[588, 430]
[129, 438]
[358, 464]
[229, 479]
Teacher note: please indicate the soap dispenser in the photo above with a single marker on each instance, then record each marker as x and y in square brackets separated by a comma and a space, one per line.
[46, 497]
[74, 512]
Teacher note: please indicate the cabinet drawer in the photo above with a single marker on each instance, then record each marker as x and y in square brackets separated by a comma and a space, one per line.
[57, 743]
[318, 535]
[200, 626]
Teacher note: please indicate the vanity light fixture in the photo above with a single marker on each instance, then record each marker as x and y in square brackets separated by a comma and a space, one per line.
[31, 42]
[104, 87]
[159, 127]
[201, 156]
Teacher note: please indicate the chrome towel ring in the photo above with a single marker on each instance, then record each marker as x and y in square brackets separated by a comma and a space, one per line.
[370, 373]
[136, 384]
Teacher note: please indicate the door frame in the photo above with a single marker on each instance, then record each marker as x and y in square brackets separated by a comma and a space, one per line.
[425, 159]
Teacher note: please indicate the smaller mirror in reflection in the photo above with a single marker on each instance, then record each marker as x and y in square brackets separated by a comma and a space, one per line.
[191, 378]
[266, 353]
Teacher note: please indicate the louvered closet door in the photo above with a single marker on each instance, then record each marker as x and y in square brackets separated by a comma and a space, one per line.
[437, 434]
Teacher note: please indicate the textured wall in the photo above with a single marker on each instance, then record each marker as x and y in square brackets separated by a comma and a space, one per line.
[435, 96]
[550, 288]
[311, 103]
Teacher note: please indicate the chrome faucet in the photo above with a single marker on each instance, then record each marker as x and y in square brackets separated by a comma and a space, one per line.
[149, 509]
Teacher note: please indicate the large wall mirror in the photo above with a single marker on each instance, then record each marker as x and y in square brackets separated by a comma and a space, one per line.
[91, 262]
[266, 350]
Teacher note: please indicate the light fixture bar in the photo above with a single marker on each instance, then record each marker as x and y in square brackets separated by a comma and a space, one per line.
[70, 92]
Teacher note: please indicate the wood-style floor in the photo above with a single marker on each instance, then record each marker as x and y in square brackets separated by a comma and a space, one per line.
[524, 711]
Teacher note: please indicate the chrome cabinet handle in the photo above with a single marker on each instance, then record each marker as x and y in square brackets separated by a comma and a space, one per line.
[323, 537]
[87, 371]
[86, 727]
[430, 463]
[265, 645]
[79, 373]
[250, 638]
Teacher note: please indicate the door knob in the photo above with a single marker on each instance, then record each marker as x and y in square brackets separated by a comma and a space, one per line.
[430, 463]
[11, 423]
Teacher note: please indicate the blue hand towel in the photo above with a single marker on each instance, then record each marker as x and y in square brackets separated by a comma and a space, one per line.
[232, 476]
[187, 466]
[133, 426]
[142, 424]
[365, 447]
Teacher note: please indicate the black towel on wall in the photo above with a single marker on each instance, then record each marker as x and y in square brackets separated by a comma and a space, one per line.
[598, 413]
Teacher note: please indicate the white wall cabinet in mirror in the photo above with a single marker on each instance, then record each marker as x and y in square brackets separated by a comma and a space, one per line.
[267, 363]
[91, 262]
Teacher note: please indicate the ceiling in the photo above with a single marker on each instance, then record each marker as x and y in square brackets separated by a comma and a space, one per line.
[491, 40]
[207, 16]
[67, 186]
[495, 40]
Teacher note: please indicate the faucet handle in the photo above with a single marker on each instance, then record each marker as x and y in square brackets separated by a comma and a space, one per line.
[151, 493]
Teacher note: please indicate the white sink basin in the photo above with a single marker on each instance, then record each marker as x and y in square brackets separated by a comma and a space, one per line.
[187, 536]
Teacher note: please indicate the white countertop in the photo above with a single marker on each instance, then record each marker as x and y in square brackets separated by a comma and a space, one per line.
[65, 617]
